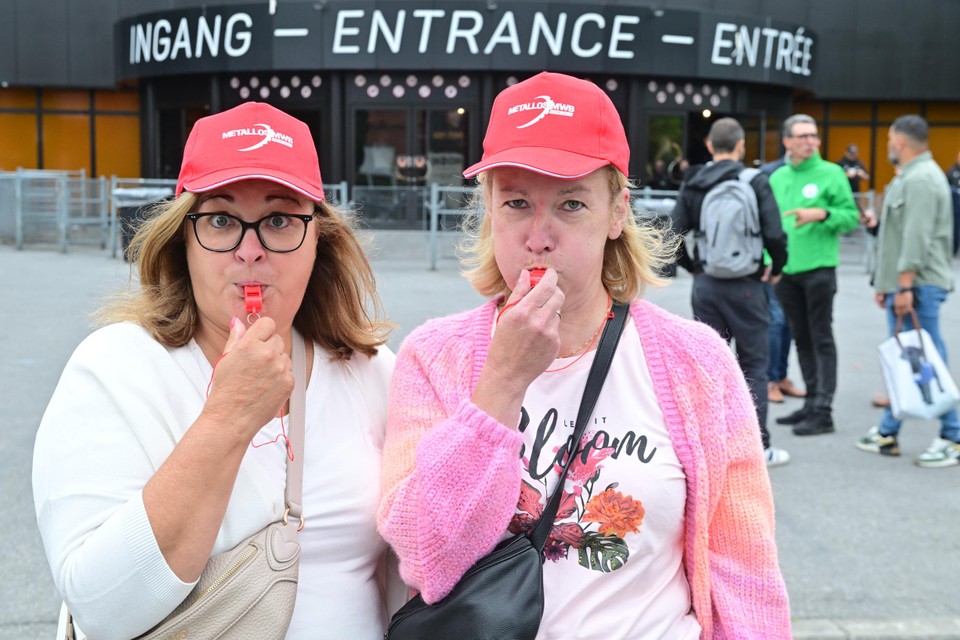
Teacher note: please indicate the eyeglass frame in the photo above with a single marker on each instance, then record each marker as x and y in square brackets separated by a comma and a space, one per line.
[806, 136]
[255, 225]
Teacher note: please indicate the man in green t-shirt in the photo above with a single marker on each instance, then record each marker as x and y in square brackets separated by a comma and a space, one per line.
[817, 207]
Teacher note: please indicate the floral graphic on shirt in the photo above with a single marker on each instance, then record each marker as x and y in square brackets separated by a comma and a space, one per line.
[614, 514]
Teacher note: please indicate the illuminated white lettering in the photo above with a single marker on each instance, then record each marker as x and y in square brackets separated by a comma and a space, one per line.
[161, 44]
[207, 35]
[243, 37]
[575, 36]
[182, 41]
[393, 38]
[747, 46]
[617, 36]
[467, 33]
[507, 24]
[428, 15]
[720, 42]
[341, 30]
[554, 39]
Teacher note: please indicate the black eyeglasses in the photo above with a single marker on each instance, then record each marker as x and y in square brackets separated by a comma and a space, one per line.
[277, 232]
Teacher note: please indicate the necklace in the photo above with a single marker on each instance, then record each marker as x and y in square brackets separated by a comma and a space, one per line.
[589, 343]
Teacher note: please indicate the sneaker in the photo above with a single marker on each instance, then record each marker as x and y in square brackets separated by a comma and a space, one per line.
[873, 442]
[787, 388]
[796, 417]
[942, 453]
[775, 457]
[817, 422]
[773, 393]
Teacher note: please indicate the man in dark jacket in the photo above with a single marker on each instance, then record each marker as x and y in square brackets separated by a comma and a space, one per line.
[735, 307]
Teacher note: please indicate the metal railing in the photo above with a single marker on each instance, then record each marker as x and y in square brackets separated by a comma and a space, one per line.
[59, 207]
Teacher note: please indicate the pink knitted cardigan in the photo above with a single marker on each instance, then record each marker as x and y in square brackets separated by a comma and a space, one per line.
[451, 476]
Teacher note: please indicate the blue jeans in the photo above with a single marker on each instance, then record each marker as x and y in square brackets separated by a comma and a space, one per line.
[926, 301]
[779, 337]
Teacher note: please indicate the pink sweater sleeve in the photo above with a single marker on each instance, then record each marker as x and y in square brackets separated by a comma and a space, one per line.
[730, 547]
[749, 596]
[451, 473]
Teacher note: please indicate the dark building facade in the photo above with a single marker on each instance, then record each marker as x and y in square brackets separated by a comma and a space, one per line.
[397, 93]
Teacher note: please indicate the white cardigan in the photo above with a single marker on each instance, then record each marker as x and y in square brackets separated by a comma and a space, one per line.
[122, 404]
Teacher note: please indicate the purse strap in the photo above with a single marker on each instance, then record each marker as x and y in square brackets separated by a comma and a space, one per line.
[293, 492]
[916, 325]
[598, 372]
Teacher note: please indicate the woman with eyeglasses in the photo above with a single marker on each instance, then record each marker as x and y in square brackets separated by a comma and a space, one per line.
[165, 442]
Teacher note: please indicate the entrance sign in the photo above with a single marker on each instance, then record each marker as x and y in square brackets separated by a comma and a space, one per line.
[531, 36]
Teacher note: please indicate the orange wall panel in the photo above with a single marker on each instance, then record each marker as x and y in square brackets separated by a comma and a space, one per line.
[943, 112]
[18, 99]
[945, 145]
[19, 135]
[65, 100]
[66, 142]
[850, 112]
[118, 146]
[116, 101]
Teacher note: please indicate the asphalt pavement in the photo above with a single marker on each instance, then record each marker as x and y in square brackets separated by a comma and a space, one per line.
[869, 546]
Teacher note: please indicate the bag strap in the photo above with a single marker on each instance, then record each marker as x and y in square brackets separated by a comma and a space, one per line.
[916, 325]
[293, 492]
[598, 372]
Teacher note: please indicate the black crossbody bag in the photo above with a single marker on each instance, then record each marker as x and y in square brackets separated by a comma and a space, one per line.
[501, 596]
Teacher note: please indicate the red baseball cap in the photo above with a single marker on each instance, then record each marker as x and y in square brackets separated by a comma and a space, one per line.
[251, 141]
[554, 124]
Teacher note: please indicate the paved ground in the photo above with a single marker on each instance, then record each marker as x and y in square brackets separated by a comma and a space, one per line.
[869, 546]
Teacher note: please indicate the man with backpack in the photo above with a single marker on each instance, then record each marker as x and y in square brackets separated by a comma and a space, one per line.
[728, 216]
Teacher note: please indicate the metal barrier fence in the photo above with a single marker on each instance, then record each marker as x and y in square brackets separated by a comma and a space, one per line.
[58, 207]
[66, 208]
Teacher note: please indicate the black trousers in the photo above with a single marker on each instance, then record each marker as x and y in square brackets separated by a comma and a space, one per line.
[737, 309]
[807, 300]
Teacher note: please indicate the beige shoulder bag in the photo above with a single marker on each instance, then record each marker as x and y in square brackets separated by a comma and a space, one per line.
[248, 591]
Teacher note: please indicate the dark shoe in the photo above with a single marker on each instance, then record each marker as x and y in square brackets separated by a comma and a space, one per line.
[819, 421]
[796, 417]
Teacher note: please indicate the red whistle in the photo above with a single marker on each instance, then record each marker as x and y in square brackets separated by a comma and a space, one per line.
[535, 275]
[252, 298]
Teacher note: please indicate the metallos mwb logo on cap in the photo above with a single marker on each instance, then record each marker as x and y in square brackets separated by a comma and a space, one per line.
[264, 132]
[541, 107]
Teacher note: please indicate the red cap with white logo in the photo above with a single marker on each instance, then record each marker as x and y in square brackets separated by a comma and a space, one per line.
[253, 141]
[556, 125]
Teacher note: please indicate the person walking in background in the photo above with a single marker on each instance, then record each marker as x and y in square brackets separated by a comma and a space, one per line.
[779, 337]
[817, 207]
[853, 167]
[953, 174]
[914, 270]
[734, 303]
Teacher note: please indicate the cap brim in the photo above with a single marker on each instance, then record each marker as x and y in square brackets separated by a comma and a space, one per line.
[229, 176]
[555, 163]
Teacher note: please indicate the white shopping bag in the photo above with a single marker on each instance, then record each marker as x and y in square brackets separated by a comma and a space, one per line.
[918, 382]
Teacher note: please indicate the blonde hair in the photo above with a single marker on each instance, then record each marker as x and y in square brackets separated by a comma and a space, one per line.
[340, 309]
[631, 262]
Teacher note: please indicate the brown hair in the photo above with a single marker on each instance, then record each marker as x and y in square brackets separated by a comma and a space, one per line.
[336, 307]
[631, 262]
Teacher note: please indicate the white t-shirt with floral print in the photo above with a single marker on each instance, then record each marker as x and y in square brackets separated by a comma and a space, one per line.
[614, 565]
